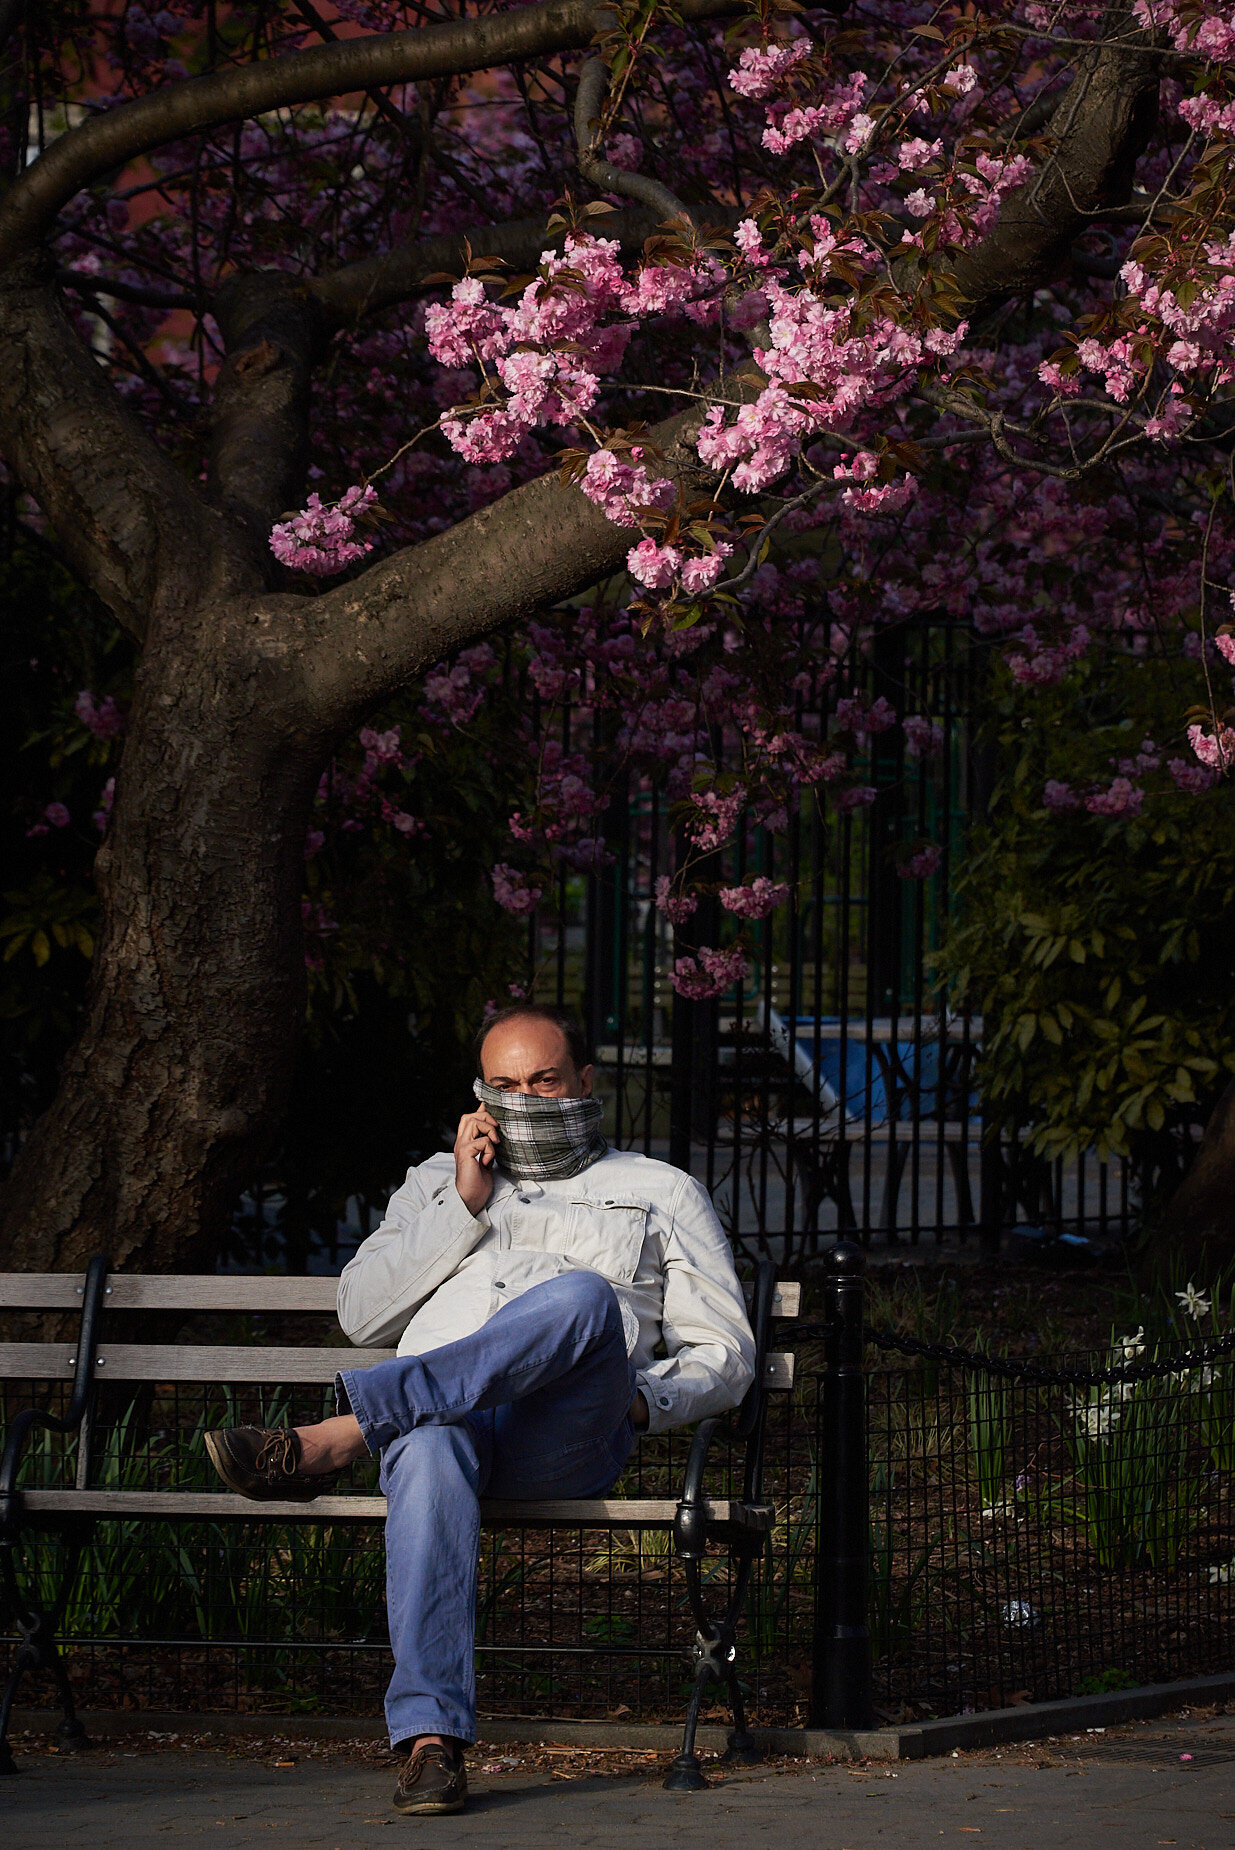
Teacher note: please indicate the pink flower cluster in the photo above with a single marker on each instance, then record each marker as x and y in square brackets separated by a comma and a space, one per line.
[1039, 664]
[512, 892]
[55, 816]
[709, 973]
[1060, 797]
[102, 717]
[1121, 798]
[543, 359]
[923, 736]
[864, 718]
[840, 114]
[676, 907]
[717, 818]
[1214, 749]
[921, 864]
[814, 344]
[622, 490]
[455, 693]
[320, 539]
[1194, 779]
[887, 499]
[1209, 36]
[756, 899]
[760, 68]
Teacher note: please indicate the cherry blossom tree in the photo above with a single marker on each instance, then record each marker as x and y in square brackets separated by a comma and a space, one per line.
[336, 339]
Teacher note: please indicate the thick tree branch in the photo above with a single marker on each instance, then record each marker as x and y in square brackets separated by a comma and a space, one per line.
[259, 422]
[538, 544]
[1101, 126]
[346, 295]
[115, 138]
[130, 525]
[83, 283]
[602, 174]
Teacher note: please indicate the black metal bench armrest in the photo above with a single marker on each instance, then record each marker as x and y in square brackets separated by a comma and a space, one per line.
[32, 1417]
[691, 1523]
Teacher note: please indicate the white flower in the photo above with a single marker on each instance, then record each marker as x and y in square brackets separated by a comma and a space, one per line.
[1095, 1419]
[1194, 1305]
[1133, 1346]
[1222, 1576]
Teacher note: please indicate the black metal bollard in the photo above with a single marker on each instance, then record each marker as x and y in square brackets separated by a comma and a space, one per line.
[841, 1671]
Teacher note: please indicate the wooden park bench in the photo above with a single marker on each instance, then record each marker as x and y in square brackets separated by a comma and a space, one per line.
[741, 1524]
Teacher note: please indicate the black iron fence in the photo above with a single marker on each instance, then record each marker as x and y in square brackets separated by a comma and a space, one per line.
[1001, 1531]
[831, 1091]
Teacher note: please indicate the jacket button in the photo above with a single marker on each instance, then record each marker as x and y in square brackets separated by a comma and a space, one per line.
[662, 1400]
[499, 1284]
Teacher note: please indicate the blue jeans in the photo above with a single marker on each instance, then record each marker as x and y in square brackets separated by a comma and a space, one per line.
[536, 1404]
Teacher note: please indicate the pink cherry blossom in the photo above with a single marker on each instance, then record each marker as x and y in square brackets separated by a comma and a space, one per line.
[1122, 798]
[677, 907]
[1215, 749]
[923, 736]
[512, 891]
[921, 864]
[760, 68]
[319, 539]
[756, 899]
[717, 818]
[1192, 778]
[103, 718]
[654, 566]
[709, 973]
[102, 814]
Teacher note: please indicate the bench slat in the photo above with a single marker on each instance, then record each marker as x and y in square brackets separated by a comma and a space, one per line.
[63, 1291]
[217, 1362]
[198, 1505]
[211, 1362]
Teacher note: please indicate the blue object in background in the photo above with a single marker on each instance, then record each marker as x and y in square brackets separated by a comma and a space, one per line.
[863, 1063]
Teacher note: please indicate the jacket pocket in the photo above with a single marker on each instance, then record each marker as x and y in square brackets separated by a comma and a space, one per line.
[605, 1237]
[608, 1237]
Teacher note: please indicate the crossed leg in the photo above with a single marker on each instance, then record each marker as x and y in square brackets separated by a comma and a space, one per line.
[535, 1404]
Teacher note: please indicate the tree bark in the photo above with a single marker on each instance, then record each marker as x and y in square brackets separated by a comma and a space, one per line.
[197, 988]
[1196, 1231]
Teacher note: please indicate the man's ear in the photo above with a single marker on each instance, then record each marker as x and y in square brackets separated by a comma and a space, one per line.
[585, 1081]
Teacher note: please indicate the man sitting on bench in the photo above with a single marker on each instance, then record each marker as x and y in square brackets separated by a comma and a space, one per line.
[551, 1297]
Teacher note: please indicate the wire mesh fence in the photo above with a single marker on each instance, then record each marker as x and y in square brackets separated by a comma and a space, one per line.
[1035, 1532]
[291, 1616]
[1039, 1532]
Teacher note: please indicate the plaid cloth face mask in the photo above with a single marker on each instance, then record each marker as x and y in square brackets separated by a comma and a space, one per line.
[544, 1139]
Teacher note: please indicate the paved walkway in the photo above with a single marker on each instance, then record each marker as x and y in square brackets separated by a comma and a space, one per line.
[1153, 1784]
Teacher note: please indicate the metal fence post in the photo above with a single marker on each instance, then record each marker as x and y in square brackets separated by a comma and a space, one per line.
[841, 1670]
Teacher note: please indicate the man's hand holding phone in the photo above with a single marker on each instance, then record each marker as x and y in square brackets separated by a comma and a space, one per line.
[475, 1153]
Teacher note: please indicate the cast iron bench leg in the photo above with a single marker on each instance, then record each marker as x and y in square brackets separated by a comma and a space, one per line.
[38, 1651]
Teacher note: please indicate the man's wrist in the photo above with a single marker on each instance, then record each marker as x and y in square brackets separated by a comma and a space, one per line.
[640, 1412]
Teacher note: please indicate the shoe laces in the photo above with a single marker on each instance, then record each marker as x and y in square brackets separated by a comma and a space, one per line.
[277, 1456]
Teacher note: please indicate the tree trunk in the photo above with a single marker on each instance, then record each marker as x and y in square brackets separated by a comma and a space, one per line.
[1196, 1230]
[197, 988]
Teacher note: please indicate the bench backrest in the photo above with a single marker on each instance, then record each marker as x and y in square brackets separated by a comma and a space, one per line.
[224, 1362]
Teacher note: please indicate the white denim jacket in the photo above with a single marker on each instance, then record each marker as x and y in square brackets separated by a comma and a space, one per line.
[433, 1272]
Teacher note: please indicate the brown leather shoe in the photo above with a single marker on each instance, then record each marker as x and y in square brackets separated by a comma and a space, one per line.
[433, 1779]
[265, 1465]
